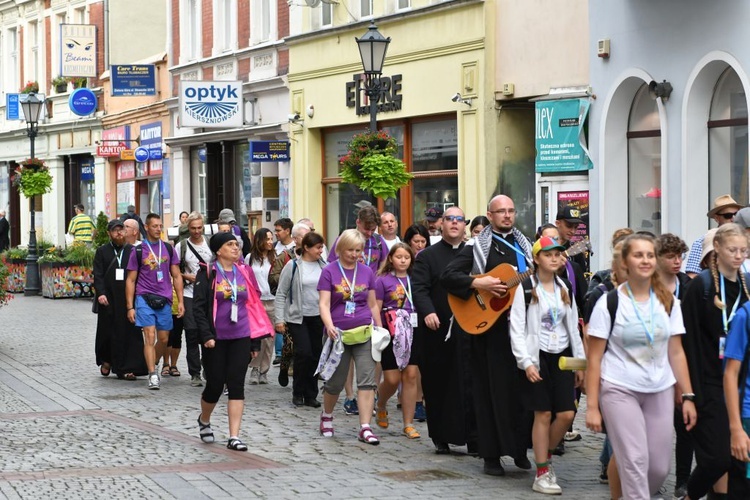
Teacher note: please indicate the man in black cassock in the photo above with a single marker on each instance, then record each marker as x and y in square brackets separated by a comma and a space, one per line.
[502, 424]
[119, 343]
[443, 363]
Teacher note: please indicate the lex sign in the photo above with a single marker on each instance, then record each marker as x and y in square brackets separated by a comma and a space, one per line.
[211, 104]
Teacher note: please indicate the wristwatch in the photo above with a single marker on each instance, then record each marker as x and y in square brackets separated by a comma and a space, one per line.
[688, 396]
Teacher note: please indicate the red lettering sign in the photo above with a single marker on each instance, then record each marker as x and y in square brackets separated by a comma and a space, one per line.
[110, 150]
[154, 167]
[125, 170]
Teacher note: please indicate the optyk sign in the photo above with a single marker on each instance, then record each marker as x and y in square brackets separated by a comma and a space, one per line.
[211, 104]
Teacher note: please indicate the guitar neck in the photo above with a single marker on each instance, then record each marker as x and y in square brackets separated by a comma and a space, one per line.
[519, 278]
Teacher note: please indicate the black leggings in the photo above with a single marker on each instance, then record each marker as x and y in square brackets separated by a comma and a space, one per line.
[175, 335]
[710, 438]
[308, 343]
[226, 364]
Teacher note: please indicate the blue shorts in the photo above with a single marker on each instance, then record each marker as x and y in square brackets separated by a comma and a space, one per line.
[145, 316]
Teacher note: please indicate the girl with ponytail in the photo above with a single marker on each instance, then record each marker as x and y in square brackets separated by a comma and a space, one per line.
[711, 301]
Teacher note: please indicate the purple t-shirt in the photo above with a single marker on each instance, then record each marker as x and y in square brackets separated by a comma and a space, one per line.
[151, 266]
[392, 292]
[373, 255]
[225, 329]
[333, 281]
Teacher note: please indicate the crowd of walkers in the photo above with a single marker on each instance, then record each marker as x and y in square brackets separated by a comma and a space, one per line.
[658, 342]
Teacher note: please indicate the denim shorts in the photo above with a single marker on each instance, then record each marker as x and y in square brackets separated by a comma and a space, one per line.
[145, 316]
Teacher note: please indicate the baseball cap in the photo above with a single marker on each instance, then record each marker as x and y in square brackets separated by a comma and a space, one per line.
[743, 218]
[545, 243]
[114, 223]
[380, 339]
[570, 214]
[433, 213]
[227, 215]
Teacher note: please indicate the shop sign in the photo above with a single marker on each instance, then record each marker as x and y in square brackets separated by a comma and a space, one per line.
[12, 107]
[151, 139]
[114, 141]
[576, 200]
[110, 150]
[82, 102]
[78, 50]
[133, 80]
[390, 94]
[140, 154]
[155, 168]
[560, 139]
[127, 154]
[211, 104]
[125, 170]
[87, 170]
[269, 150]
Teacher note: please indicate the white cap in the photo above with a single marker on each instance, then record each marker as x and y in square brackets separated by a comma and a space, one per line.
[380, 339]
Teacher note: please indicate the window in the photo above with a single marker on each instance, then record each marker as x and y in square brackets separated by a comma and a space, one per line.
[79, 15]
[644, 164]
[728, 140]
[434, 148]
[326, 14]
[225, 26]
[12, 68]
[365, 8]
[403, 4]
[34, 56]
[198, 180]
[190, 36]
[263, 21]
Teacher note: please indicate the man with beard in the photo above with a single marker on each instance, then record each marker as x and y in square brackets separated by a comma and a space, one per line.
[501, 423]
[119, 344]
[442, 363]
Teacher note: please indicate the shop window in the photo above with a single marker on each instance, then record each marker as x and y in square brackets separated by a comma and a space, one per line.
[728, 140]
[644, 164]
[263, 21]
[198, 179]
[434, 161]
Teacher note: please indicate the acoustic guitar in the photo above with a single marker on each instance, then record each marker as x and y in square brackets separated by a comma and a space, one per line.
[479, 312]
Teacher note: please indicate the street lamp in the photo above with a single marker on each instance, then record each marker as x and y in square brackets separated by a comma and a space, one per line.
[372, 49]
[32, 107]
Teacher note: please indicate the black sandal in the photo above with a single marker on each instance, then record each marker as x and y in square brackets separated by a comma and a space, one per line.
[205, 431]
[236, 444]
[105, 369]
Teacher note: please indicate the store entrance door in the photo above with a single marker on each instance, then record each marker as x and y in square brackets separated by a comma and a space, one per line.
[556, 192]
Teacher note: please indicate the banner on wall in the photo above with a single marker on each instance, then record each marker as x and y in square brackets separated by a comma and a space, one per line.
[576, 200]
[560, 138]
[78, 50]
[211, 104]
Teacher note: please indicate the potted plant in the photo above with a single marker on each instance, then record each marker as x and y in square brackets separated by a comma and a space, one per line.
[32, 177]
[370, 164]
[60, 83]
[5, 295]
[79, 82]
[63, 270]
[30, 87]
[14, 260]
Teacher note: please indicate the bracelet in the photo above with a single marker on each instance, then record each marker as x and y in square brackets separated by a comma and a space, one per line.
[131, 308]
[688, 396]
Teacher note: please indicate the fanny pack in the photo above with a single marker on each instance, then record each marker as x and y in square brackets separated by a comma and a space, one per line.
[154, 301]
[358, 335]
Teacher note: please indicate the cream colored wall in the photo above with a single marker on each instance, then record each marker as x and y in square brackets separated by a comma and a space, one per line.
[435, 60]
[137, 30]
[541, 44]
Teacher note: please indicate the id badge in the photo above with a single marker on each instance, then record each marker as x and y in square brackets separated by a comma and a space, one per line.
[350, 308]
[553, 342]
[234, 313]
[722, 346]
[159, 276]
[413, 319]
[119, 274]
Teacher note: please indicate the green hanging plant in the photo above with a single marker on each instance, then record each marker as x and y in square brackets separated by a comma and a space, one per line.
[32, 177]
[371, 164]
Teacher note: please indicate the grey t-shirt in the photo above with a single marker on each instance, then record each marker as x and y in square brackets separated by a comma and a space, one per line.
[310, 274]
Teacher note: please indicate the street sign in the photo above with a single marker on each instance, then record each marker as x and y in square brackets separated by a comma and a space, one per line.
[82, 102]
[140, 154]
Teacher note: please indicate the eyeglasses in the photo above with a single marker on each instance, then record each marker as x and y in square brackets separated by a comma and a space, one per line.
[454, 218]
[728, 215]
[504, 211]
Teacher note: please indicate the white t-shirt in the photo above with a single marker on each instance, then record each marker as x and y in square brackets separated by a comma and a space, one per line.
[280, 247]
[310, 275]
[630, 360]
[552, 339]
[192, 264]
[390, 243]
[261, 271]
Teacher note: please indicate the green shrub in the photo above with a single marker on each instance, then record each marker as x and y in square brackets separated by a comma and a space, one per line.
[102, 237]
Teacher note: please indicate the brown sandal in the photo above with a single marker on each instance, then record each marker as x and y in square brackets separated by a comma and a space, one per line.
[165, 370]
[173, 371]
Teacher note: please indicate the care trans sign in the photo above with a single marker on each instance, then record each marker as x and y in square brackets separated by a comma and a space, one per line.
[211, 104]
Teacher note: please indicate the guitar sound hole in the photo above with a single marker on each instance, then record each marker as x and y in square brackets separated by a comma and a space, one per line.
[497, 303]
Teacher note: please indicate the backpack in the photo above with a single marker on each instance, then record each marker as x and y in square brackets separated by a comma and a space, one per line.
[183, 251]
[139, 255]
[526, 284]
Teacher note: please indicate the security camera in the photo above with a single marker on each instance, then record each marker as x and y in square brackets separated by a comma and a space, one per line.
[294, 117]
[456, 97]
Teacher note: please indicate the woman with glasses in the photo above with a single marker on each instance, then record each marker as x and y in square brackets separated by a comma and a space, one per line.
[711, 301]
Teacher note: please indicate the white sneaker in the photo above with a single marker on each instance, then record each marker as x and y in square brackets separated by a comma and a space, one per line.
[254, 377]
[153, 382]
[263, 379]
[546, 484]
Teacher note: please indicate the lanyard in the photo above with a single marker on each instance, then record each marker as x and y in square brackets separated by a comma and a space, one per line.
[118, 256]
[369, 251]
[521, 257]
[724, 309]
[676, 287]
[407, 289]
[233, 283]
[555, 313]
[649, 333]
[150, 249]
[351, 283]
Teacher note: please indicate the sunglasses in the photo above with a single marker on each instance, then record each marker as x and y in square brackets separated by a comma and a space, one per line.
[454, 218]
[727, 215]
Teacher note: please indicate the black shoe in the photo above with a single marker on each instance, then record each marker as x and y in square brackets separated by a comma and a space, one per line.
[472, 449]
[283, 378]
[560, 450]
[312, 402]
[493, 467]
[277, 361]
[522, 463]
[442, 448]
[298, 400]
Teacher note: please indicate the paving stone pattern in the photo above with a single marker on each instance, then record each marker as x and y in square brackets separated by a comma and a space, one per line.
[70, 433]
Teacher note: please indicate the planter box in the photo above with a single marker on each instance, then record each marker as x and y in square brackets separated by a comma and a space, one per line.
[16, 275]
[62, 280]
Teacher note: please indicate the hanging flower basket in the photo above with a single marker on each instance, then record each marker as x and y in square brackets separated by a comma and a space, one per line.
[32, 178]
[371, 164]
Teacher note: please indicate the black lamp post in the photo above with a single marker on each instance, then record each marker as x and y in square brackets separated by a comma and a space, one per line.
[372, 49]
[32, 107]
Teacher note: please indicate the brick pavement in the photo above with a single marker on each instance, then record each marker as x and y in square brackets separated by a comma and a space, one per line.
[70, 433]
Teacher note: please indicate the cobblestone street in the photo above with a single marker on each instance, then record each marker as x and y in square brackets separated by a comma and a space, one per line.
[71, 433]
